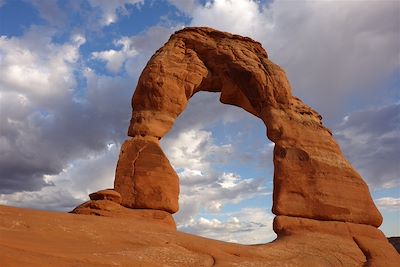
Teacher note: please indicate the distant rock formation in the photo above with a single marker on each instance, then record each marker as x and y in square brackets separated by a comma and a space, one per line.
[395, 241]
[318, 197]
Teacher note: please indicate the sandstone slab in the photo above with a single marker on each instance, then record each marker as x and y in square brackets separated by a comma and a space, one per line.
[108, 208]
[44, 239]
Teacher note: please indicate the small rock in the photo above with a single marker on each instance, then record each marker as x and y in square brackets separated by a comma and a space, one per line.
[107, 194]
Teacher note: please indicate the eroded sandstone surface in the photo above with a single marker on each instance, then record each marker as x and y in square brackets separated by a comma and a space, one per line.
[47, 239]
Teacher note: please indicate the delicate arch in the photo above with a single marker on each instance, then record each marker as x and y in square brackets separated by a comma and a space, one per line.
[312, 179]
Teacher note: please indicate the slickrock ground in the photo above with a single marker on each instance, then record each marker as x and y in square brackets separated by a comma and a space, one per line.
[325, 214]
[39, 238]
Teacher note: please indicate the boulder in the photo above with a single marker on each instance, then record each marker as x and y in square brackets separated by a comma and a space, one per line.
[145, 178]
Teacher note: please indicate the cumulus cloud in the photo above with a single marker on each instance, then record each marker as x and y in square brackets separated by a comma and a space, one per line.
[191, 150]
[57, 114]
[72, 185]
[115, 59]
[47, 122]
[371, 141]
[246, 226]
[36, 74]
[37, 68]
[55, 111]
[241, 136]
[134, 51]
[332, 54]
[196, 158]
[241, 17]
[111, 9]
[388, 203]
[48, 198]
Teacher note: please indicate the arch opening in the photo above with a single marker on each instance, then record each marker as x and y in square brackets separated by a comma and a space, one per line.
[220, 153]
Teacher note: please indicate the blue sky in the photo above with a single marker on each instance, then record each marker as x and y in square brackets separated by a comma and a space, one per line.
[69, 69]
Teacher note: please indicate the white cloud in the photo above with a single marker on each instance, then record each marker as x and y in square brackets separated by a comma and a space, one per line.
[332, 54]
[229, 180]
[111, 9]
[245, 226]
[195, 156]
[116, 58]
[37, 68]
[134, 51]
[47, 119]
[71, 186]
[371, 141]
[78, 39]
[214, 207]
[191, 150]
[388, 203]
[48, 198]
[240, 17]
[37, 79]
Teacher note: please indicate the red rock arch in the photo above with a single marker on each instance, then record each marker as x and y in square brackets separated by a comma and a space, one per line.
[312, 179]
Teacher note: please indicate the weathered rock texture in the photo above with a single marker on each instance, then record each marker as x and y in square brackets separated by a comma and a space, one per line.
[145, 178]
[107, 194]
[316, 190]
[108, 208]
[107, 203]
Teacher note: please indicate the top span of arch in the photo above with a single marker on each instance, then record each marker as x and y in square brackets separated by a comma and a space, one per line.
[203, 59]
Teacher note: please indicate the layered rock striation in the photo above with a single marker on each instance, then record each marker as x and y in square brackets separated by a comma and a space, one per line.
[317, 193]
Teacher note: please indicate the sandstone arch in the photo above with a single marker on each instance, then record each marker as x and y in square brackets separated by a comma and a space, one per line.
[312, 179]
